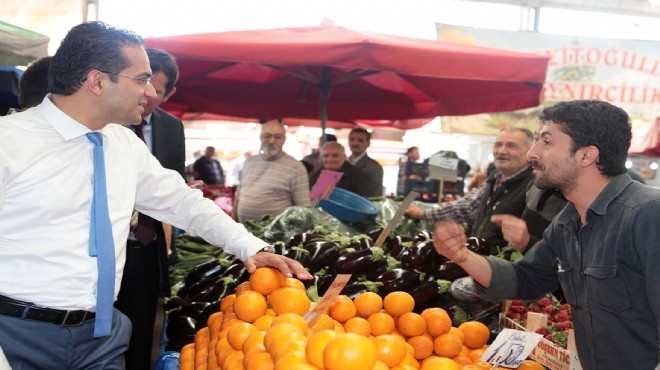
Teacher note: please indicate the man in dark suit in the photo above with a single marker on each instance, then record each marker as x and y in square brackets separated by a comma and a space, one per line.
[145, 273]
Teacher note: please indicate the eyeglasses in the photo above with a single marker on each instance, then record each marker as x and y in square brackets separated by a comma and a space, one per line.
[145, 81]
[276, 136]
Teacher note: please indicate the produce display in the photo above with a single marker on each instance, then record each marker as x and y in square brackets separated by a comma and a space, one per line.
[203, 276]
[261, 326]
[559, 317]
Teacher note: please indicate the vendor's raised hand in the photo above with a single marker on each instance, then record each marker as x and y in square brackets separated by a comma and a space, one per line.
[287, 266]
[514, 230]
[449, 240]
[415, 211]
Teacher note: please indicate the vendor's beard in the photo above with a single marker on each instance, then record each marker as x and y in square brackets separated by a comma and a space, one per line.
[269, 151]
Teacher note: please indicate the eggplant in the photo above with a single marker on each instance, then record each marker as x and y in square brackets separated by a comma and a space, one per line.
[298, 253]
[238, 271]
[175, 302]
[203, 319]
[322, 283]
[397, 279]
[371, 262]
[222, 288]
[280, 247]
[393, 246]
[302, 238]
[449, 270]
[358, 243]
[322, 253]
[355, 288]
[478, 245]
[428, 291]
[204, 284]
[422, 256]
[194, 309]
[423, 236]
[203, 270]
[180, 331]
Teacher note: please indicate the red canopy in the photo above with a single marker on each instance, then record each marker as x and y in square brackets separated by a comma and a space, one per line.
[339, 74]
[646, 140]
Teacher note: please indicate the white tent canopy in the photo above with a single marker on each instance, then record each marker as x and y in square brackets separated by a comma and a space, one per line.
[18, 46]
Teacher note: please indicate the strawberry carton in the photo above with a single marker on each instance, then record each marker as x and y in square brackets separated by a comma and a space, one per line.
[556, 351]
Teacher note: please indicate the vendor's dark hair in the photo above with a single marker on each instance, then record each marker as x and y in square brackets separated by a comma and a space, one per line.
[88, 46]
[597, 123]
[361, 131]
[33, 85]
[409, 150]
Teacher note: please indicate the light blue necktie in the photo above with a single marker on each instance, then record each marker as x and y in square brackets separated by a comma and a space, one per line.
[101, 243]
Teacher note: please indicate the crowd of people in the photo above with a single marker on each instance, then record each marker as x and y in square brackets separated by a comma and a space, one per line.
[82, 271]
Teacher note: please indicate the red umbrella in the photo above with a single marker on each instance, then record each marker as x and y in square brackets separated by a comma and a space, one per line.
[333, 73]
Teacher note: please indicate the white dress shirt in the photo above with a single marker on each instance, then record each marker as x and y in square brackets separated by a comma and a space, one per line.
[46, 170]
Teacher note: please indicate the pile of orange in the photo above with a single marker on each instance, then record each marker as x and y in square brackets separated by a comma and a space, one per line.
[261, 327]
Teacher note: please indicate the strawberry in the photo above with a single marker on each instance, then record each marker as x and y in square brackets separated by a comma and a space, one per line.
[517, 302]
[548, 310]
[518, 309]
[562, 316]
[563, 325]
[545, 301]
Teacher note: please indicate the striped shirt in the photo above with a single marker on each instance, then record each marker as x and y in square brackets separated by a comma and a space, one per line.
[269, 187]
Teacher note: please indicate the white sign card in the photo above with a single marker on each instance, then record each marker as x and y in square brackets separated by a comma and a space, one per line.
[511, 347]
[443, 168]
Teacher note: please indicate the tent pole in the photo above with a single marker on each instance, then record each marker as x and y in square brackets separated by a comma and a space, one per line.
[325, 87]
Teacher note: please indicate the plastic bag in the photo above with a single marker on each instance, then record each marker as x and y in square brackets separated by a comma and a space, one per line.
[296, 220]
[407, 226]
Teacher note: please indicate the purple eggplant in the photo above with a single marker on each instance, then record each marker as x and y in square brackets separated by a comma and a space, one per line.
[422, 256]
[204, 270]
[355, 288]
[302, 238]
[395, 247]
[428, 291]
[299, 254]
[322, 283]
[203, 285]
[397, 279]
[222, 287]
[449, 270]
[478, 245]
[358, 243]
[238, 271]
[322, 253]
[370, 262]
[423, 236]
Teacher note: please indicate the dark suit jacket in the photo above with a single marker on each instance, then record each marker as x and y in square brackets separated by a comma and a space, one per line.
[353, 180]
[169, 147]
[168, 141]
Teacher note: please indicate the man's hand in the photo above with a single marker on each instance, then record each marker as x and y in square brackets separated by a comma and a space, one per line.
[286, 265]
[514, 230]
[415, 211]
[449, 240]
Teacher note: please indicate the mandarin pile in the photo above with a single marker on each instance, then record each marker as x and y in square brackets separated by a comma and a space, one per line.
[261, 327]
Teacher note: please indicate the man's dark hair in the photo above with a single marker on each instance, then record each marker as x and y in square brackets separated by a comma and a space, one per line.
[327, 138]
[162, 61]
[361, 131]
[409, 150]
[88, 46]
[33, 86]
[597, 123]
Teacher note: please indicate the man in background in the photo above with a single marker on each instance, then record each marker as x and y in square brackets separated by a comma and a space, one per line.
[146, 269]
[313, 161]
[333, 157]
[208, 169]
[359, 140]
[33, 85]
[272, 180]
[407, 171]
[504, 192]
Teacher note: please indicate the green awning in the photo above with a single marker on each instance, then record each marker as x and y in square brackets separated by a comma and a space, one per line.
[19, 46]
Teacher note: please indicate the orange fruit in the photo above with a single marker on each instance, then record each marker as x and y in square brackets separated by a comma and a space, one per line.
[441, 363]
[316, 344]
[290, 360]
[380, 366]
[367, 304]
[289, 300]
[242, 288]
[238, 333]
[422, 345]
[259, 362]
[264, 322]
[324, 322]
[457, 332]
[342, 309]
[293, 319]
[286, 347]
[250, 305]
[266, 279]
[281, 330]
[358, 325]
[390, 349]
[349, 351]
[254, 340]
[227, 302]
[397, 303]
[476, 334]
[447, 345]
[437, 320]
[462, 360]
[475, 354]
[293, 283]
[251, 354]
[530, 365]
[381, 323]
[411, 324]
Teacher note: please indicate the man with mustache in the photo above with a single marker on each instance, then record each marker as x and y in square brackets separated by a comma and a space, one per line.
[271, 181]
[503, 192]
[601, 249]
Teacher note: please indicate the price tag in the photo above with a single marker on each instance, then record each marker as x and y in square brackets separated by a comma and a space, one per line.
[511, 348]
[335, 288]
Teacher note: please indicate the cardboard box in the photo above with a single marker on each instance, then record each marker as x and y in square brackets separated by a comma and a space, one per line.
[546, 352]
